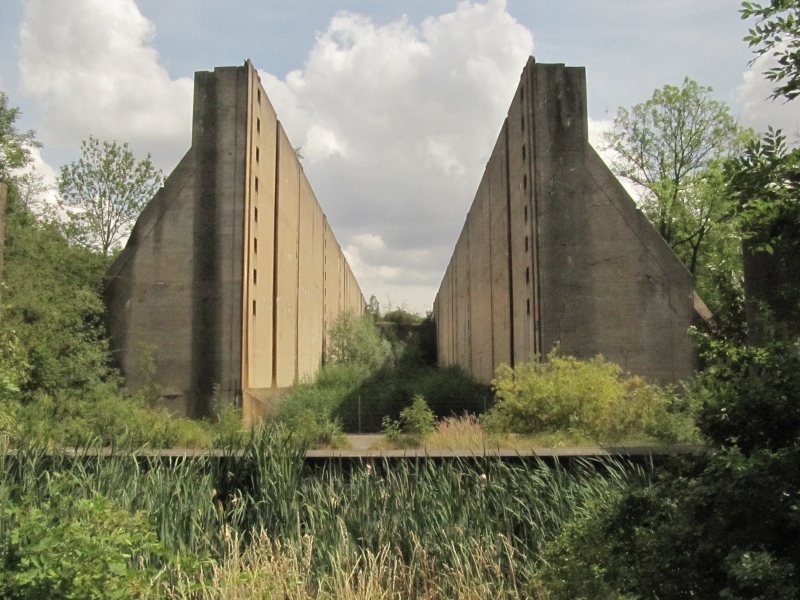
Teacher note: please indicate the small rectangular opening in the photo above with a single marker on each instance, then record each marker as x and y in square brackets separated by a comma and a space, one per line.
[259, 96]
[255, 214]
[255, 276]
[529, 307]
[523, 151]
[258, 154]
[526, 243]
[258, 125]
[527, 274]
[254, 308]
[522, 122]
[256, 183]
[526, 213]
[524, 181]
[255, 245]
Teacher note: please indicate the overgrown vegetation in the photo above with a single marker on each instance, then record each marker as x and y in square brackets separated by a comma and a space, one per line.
[253, 520]
[57, 382]
[591, 400]
[722, 525]
[375, 366]
[415, 424]
[259, 519]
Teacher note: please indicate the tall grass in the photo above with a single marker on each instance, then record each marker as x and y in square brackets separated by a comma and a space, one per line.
[434, 529]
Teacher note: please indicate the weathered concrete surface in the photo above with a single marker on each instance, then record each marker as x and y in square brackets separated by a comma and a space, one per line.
[223, 280]
[571, 261]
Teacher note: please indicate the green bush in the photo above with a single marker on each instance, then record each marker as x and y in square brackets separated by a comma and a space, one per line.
[750, 396]
[103, 414]
[591, 399]
[73, 547]
[354, 339]
[310, 409]
[355, 395]
[449, 391]
[415, 424]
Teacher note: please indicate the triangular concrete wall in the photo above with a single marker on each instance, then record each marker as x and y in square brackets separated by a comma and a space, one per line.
[554, 251]
[232, 275]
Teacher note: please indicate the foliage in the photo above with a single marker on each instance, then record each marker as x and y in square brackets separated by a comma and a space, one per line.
[751, 397]
[52, 304]
[373, 307]
[354, 339]
[776, 33]
[459, 433]
[15, 146]
[589, 398]
[105, 190]
[474, 526]
[717, 525]
[310, 408]
[412, 337]
[73, 547]
[670, 148]
[416, 423]
[763, 184]
[373, 370]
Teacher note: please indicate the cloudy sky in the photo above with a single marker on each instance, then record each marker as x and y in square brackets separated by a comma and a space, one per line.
[396, 104]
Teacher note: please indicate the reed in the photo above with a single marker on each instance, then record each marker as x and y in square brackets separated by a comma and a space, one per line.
[459, 529]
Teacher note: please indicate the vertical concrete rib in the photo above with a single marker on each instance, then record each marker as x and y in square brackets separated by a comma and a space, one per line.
[510, 249]
[205, 313]
[275, 260]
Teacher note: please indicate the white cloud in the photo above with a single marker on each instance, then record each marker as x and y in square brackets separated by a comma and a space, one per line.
[759, 111]
[596, 130]
[396, 122]
[369, 241]
[38, 184]
[90, 66]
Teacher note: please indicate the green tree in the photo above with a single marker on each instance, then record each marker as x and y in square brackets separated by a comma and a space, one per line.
[670, 148]
[374, 307]
[777, 32]
[15, 145]
[104, 192]
[763, 184]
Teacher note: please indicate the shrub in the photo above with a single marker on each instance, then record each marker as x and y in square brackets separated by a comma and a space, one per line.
[356, 340]
[309, 409]
[415, 424]
[449, 391]
[72, 547]
[588, 398]
[102, 414]
[750, 396]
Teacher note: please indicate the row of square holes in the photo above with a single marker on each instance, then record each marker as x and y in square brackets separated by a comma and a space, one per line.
[255, 209]
[525, 187]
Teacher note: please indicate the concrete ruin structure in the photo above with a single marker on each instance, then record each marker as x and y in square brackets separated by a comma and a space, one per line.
[232, 275]
[555, 252]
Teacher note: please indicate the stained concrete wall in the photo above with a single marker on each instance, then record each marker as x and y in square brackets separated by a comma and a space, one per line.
[259, 255]
[554, 251]
[224, 280]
